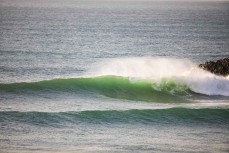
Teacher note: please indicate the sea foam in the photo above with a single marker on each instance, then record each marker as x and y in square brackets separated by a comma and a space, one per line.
[157, 69]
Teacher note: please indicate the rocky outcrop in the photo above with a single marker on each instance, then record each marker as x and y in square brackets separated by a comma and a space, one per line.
[220, 67]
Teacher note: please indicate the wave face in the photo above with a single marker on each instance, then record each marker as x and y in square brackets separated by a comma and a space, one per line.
[176, 115]
[155, 69]
[140, 79]
[110, 86]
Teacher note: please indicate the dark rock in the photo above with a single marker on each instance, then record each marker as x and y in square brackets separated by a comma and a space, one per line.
[220, 67]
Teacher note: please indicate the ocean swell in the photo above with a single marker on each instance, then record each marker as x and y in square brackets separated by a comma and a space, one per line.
[146, 116]
[139, 79]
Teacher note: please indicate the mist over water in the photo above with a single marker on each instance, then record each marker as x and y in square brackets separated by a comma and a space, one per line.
[155, 69]
[112, 76]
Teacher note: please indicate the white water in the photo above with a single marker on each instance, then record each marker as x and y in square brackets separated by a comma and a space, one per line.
[158, 69]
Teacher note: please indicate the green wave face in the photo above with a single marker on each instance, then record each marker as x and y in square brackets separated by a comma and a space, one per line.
[110, 86]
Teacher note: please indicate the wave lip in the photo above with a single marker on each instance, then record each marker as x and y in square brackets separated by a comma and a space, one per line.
[140, 79]
[157, 69]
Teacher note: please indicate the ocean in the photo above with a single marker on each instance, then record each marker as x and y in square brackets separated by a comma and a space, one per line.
[112, 76]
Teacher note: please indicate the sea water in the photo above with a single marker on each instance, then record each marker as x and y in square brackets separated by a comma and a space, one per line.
[112, 76]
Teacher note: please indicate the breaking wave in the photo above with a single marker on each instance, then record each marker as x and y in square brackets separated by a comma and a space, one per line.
[141, 79]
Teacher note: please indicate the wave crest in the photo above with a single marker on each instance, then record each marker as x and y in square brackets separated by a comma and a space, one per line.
[140, 79]
[155, 69]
